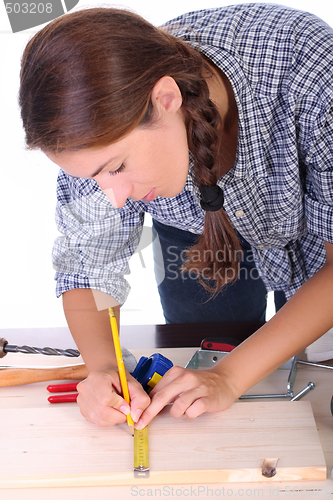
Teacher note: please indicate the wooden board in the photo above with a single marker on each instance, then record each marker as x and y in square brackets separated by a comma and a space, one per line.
[55, 446]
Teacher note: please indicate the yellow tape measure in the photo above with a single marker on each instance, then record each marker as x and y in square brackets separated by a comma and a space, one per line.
[141, 455]
[148, 372]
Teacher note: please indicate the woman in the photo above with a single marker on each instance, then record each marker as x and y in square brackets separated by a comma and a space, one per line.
[118, 104]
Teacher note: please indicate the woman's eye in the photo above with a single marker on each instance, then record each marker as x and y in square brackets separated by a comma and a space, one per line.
[120, 169]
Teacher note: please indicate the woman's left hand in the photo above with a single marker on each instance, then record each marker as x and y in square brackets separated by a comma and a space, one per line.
[192, 392]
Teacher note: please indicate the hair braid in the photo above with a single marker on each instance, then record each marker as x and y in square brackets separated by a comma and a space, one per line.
[218, 245]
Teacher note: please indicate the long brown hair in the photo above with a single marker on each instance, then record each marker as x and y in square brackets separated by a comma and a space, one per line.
[86, 81]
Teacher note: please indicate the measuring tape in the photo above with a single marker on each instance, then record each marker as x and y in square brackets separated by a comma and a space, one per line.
[148, 372]
[141, 455]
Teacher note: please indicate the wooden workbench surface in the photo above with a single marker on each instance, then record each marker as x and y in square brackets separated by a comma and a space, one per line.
[33, 396]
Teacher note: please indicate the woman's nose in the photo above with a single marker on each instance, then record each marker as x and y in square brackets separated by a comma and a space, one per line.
[117, 194]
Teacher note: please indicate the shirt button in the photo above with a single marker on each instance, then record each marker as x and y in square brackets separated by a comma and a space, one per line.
[261, 247]
[239, 213]
[192, 230]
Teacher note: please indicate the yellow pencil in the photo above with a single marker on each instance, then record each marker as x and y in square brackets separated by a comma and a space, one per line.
[120, 361]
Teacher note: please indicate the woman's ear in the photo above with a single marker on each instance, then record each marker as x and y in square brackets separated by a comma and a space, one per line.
[166, 95]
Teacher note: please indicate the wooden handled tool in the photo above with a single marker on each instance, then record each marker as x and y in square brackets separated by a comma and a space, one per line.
[22, 376]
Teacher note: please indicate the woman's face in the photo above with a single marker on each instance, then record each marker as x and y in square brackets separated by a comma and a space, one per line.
[150, 161]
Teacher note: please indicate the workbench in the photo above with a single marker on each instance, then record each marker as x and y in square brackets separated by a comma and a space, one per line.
[179, 343]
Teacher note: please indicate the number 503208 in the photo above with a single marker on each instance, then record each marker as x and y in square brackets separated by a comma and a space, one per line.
[28, 8]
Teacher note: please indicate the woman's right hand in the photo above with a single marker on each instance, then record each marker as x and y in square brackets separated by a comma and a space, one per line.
[100, 401]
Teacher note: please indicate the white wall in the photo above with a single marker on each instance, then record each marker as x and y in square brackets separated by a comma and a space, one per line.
[28, 182]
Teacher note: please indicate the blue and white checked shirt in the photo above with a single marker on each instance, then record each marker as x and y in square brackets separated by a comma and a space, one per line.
[279, 193]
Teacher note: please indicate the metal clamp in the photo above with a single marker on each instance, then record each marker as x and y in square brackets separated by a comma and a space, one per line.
[208, 358]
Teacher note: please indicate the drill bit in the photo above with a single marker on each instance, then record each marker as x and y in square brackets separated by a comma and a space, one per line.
[129, 360]
[26, 349]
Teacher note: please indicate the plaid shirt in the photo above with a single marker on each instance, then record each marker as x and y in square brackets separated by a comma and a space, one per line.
[279, 193]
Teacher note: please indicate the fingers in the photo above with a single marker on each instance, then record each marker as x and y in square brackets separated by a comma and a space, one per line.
[139, 398]
[192, 392]
[100, 402]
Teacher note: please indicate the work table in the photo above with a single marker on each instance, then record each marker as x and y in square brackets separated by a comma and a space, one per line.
[174, 341]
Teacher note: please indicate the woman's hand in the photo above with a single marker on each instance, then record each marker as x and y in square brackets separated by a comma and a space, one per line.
[100, 401]
[192, 392]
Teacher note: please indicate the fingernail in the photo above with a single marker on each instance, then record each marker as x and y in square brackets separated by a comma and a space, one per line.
[139, 425]
[136, 414]
[125, 410]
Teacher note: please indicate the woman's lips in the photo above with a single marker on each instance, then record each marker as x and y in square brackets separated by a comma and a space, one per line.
[150, 196]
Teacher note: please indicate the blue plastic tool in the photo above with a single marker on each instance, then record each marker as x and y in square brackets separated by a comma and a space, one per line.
[150, 370]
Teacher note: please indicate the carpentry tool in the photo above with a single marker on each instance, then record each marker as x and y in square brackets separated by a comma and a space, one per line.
[10, 376]
[63, 398]
[225, 344]
[120, 362]
[141, 454]
[128, 358]
[207, 358]
[150, 370]
[22, 376]
[25, 349]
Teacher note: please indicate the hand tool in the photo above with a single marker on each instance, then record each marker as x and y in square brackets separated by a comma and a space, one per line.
[22, 376]
[141, 453]
[63, 398]
[25, 349]
[225, 344]
[150, 370]
[120, 362]
[207, 358]
[129, 359]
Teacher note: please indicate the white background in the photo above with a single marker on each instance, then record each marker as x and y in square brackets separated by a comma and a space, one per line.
[28, 181]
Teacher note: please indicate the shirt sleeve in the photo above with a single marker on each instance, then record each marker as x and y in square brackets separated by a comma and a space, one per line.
[319, 173]
[314, 123]
[96, 241]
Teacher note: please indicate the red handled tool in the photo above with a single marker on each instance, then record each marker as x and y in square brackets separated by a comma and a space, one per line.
[63, 398]
[224, 344]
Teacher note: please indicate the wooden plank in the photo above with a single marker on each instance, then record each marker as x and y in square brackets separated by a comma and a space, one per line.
[55, 446]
